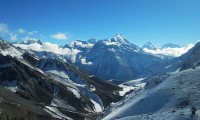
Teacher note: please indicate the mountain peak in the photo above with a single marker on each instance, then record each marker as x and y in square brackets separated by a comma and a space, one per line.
[93, 40]
[2, 40]
[119, 38]
[149, 45]
[30, 41]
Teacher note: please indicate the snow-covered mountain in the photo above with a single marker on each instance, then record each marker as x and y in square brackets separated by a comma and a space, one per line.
[114, 58]
[35, 87]
[165, 97]
[29, 41]
[119, 39]
[110, 59]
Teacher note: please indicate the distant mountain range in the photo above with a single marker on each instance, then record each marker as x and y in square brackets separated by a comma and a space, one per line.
[41, 80]
[114, 58]
[149, 45]
[110, 59]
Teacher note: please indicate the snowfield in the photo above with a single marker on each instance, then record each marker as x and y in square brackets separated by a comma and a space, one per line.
[54, 112]
[75, 92]
[12, 52]
[170, 99]
[131, 85]
[97, 107]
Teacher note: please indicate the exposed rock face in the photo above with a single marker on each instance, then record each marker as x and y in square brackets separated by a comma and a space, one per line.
[13, 107]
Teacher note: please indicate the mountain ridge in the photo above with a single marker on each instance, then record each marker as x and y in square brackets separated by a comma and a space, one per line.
[119, 50]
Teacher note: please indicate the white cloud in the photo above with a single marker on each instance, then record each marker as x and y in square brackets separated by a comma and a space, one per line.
[54, 48]
[59, 36]
[69, 53]
[51, 47]
[35, 46]
[17, 34]
[21, 31]
[3, 29]
[170, 51]
[13, 37]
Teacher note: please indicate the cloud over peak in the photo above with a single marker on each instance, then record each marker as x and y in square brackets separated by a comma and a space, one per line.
[170, 51]
[59, 36]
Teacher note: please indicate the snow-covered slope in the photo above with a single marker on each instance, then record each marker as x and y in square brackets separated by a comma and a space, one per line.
[8, 49]
[168, 97]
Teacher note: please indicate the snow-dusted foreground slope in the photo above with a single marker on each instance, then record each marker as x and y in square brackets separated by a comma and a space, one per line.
[169, 97]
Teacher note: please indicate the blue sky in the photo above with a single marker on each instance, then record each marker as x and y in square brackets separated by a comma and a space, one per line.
[62, 21]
